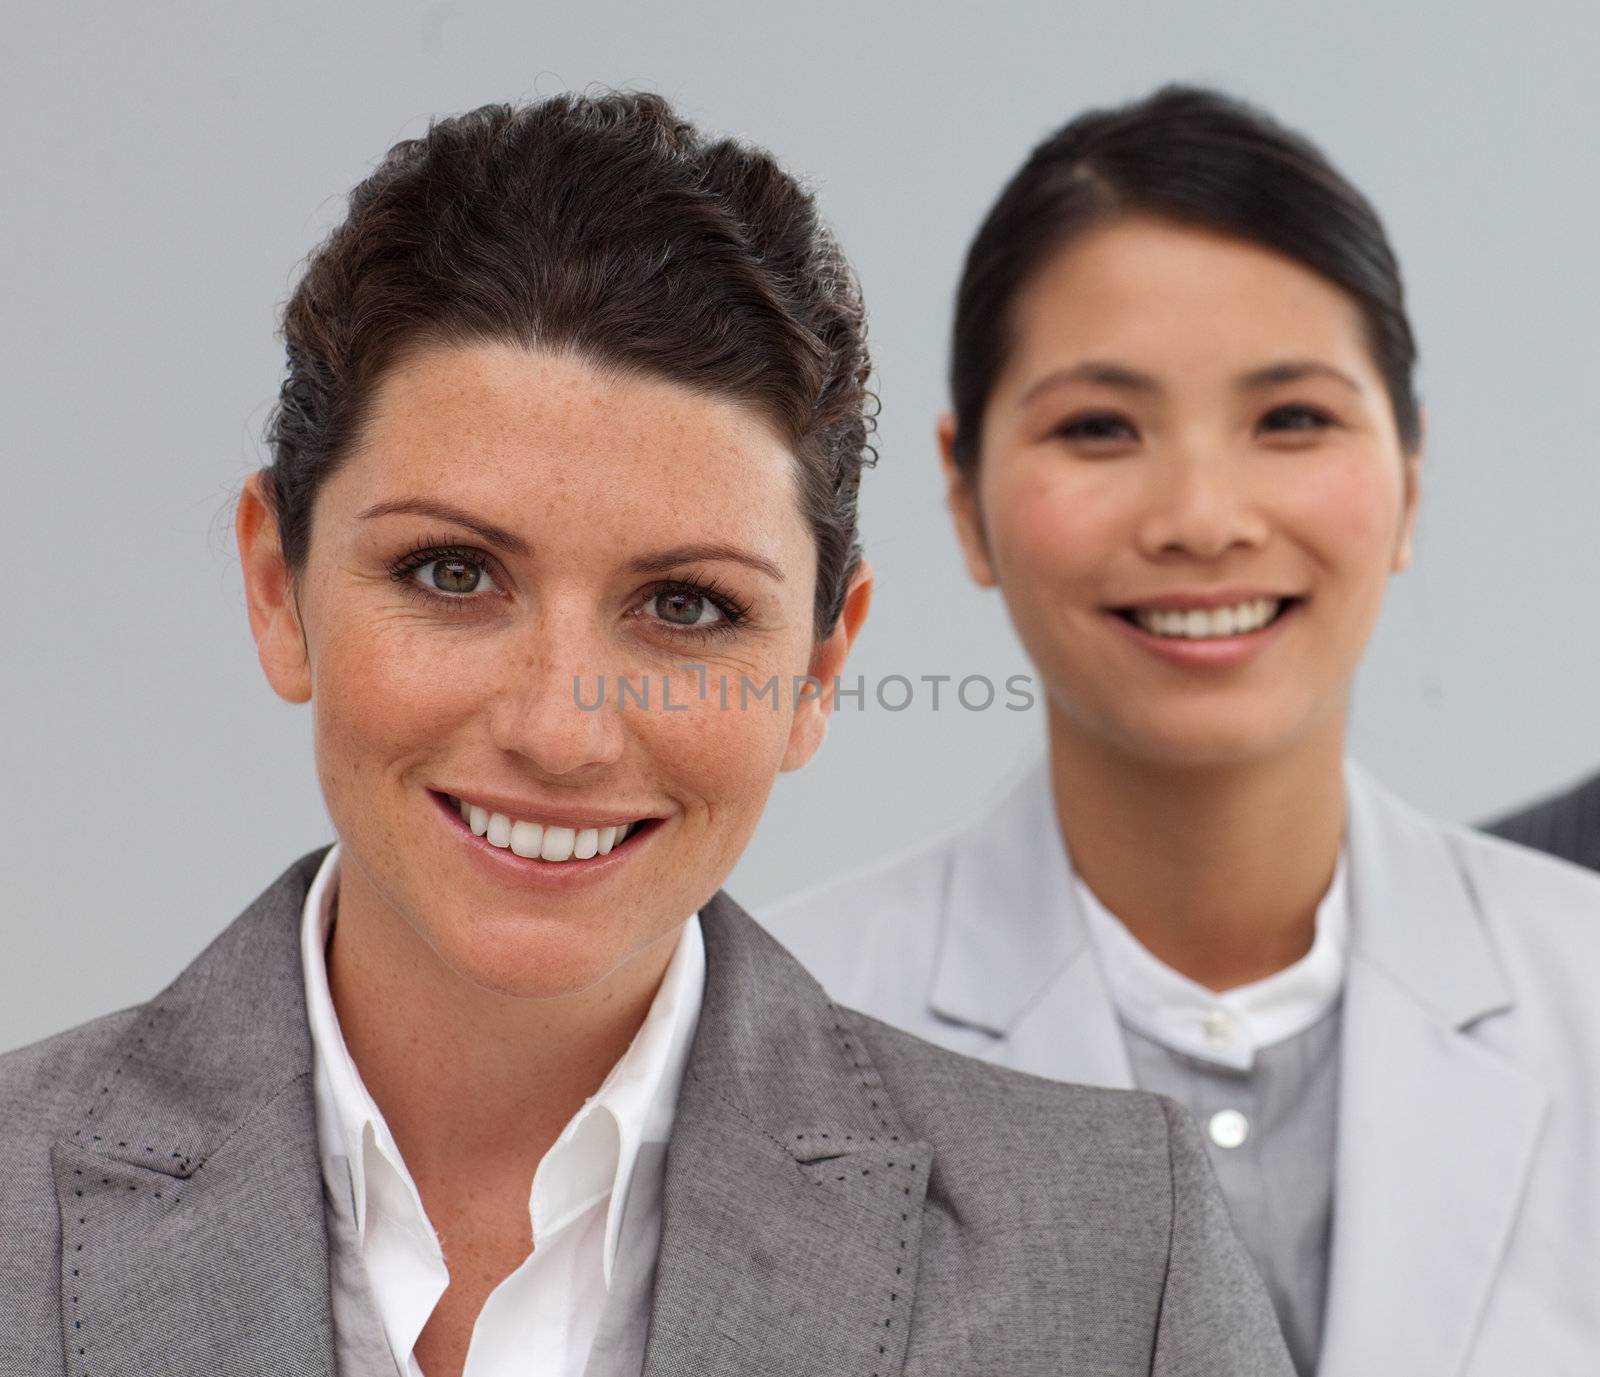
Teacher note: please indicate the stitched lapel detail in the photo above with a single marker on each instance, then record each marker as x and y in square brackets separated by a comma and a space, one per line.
[792, 1206]
[192, 1226]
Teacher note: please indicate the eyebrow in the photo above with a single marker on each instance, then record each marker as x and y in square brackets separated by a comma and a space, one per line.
[443, 511]
[1131, 379]
[664, 560]
[1093, 371]
[1292, 370]
[659, 562]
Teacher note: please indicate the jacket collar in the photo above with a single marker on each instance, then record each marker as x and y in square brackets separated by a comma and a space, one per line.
[792, 1205]
[1418, 920]
[1011, 923]
[1016, 958]
[789, 1175]
[196, 1156]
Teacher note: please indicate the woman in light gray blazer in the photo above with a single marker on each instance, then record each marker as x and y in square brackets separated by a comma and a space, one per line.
[1186, 449]
[568, 451]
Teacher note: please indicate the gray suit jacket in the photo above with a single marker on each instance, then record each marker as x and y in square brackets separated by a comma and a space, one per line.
[1567, 825]
[839, 1198]
[1466, 1232]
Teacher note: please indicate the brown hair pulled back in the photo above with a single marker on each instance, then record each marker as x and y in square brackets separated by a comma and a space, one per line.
[1200, 158]
[602, 225]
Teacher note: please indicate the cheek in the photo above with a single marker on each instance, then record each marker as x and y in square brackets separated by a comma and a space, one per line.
[1050, 523]
[384, 689]
[722, 740]
[1348, 512]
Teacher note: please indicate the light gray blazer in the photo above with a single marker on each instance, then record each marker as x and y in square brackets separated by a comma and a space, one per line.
[1466, 1235]
[840, 1200]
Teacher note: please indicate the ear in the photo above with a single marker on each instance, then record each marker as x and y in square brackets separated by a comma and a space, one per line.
[812, 707]
[1411, 497]
[269, 593]
[961, 496]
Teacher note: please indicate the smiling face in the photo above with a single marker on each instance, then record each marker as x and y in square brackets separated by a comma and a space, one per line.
[1190, 492]
[515, 534]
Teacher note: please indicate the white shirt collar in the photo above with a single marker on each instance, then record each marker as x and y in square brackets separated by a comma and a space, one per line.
[1230, 1027]
[592, 1160]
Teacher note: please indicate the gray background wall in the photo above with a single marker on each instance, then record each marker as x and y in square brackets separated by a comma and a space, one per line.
[164, 167]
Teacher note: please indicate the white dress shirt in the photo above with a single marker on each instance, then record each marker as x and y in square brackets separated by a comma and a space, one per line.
[1230, 1026]
[543, 1317]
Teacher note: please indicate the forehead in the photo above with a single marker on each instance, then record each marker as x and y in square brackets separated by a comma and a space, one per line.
[529, 435]
[1191, 297]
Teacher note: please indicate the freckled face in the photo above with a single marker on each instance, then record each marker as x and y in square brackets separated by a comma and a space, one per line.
[442, 662]
[1187, 422]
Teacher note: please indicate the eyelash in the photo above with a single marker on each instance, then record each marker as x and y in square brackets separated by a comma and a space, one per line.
[735, 611]
[1322, 420]
[428, 552]
[1076, 427]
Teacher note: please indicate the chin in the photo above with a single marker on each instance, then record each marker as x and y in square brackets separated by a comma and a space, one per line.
[1206, 740]
[530, 958]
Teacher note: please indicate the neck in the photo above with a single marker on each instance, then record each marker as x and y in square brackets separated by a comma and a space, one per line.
[1217, 870]
[471, 1082]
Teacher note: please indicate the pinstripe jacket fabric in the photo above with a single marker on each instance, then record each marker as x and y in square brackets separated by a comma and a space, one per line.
[840, 1199]
[1567, 825]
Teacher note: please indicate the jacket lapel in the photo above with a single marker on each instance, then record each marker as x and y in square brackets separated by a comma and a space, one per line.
[1436, 1132]
[792, 1204]
[1016, 959]
[192, 1226]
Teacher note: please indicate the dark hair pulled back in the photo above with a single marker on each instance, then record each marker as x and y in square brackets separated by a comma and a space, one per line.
[1196, 157]
[607, 226]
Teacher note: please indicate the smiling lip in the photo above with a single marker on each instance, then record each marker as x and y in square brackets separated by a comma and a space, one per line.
[1211, 652]
[548, 814]
[1202, 600]
[506, 867]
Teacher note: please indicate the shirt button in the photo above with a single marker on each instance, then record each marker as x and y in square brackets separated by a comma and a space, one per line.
[1228, 1128]
[1217, 1025]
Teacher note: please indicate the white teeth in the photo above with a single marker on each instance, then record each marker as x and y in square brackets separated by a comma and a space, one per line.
[536, 841]
[526, 838]
[1197, 624]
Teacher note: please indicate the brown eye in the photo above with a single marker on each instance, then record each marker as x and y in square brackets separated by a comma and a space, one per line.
[1097, 427]
[452, 575]
[1307, 420]
[683, 608]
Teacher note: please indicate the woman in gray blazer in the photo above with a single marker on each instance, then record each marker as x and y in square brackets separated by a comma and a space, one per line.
[564, 474]
[1186, 449]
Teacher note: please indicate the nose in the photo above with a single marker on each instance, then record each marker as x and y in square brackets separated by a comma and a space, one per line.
[1200, 506]
[545, 708]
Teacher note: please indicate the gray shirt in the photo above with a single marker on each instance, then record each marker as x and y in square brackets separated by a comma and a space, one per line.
[1270, 1131]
